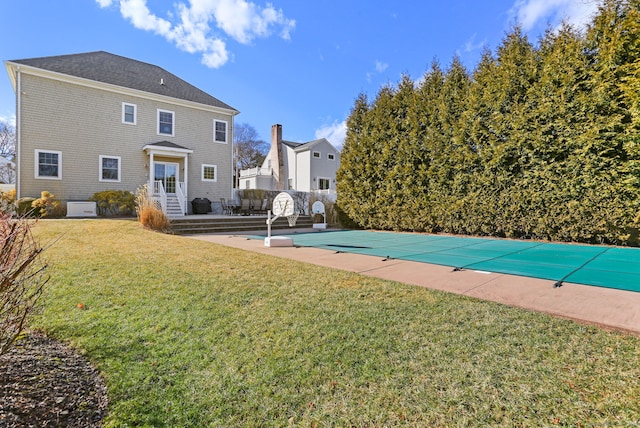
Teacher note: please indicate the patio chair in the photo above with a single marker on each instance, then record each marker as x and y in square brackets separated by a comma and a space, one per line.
[264, 207]
[245, 206]
[226, 209]
[256, 206]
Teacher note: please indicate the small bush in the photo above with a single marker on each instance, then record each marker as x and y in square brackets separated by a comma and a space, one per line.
[8, 202]
[22, 277]
[24, 207]
[149, 214]
[114, 202]
[45, 204]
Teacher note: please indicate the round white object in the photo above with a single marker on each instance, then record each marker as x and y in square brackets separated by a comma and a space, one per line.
[282, 205]
[317, 207]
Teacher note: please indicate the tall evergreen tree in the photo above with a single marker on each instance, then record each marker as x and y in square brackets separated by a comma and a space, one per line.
[540, 141]
[355, 171]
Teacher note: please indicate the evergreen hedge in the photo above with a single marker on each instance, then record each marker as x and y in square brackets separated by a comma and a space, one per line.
[539, 141]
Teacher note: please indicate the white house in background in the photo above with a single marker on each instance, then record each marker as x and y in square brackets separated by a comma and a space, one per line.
[305, 167]
[7, 175]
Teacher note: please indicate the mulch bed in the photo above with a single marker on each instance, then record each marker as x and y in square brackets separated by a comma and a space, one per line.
[45, 383]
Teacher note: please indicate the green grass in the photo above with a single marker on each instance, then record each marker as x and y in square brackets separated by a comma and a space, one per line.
[189, 333]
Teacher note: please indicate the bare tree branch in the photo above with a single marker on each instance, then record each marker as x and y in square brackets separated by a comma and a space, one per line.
[7, 141]
[249, 150]
[22, 277]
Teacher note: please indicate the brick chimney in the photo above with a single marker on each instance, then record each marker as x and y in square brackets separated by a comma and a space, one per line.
[277, 159]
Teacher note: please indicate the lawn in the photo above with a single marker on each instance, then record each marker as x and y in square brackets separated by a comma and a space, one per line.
[190, 333]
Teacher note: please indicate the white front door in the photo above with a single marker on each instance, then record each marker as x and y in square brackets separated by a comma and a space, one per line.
[168, 173]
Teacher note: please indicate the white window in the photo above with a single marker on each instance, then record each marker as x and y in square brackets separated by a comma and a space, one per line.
[316, 155]
[165, 122]
[209, 172]
[324, 183]
[109, 168]
[48, 164]
[129, 113]
[220, 131]
[331, 156]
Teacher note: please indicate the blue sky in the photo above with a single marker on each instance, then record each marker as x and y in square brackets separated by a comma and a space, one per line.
[294, 62]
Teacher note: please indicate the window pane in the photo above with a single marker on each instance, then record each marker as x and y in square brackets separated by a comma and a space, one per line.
[166, 122]
[110, 169]
[209, 173]
[129, 114]
[221, 131]
[47, 164]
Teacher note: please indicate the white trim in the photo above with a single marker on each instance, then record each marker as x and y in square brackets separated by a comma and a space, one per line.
[36, 168]
[100, 178]
[215, 173]
[135, 113]
[173, 122]
[166, 151]
[323, 178]
[314, 153]
[18, 133]
[165, 163]
[226, 131]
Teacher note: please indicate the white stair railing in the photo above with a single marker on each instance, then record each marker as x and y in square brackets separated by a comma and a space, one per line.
[181, 194]
[160, 194]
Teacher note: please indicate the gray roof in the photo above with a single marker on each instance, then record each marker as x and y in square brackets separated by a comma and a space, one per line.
[117, 70]
[168, 144]
[300, 147]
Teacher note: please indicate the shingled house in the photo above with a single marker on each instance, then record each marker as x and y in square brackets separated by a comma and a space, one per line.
[97, 121]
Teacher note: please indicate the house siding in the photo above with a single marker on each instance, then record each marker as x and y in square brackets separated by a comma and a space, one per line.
[303, 178]
[323, 167]
[84, 122]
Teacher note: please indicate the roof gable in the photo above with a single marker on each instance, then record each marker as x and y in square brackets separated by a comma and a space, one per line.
[308, 145]
[117, 70]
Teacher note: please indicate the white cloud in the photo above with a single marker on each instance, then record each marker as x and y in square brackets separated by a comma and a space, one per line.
[334, 133]
[140, 16]
[472, 45]
[381, 66]
[530, 13]
[239, 19]
[11, 119]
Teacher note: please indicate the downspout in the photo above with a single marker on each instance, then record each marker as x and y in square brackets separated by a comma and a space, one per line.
[18, 132]
[151, 173]
[186, 183]
[235, 183]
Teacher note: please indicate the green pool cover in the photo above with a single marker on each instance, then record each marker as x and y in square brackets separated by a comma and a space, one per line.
[603, 266]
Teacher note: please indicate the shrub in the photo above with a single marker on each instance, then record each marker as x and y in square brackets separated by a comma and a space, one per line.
[8, 202]
[149, 214]
[44, 205]
[24, 206]
[114, 202]
[22, 277]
